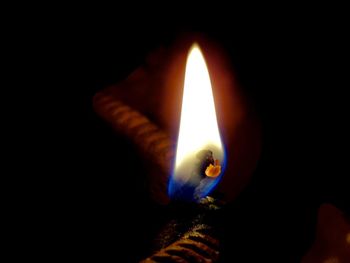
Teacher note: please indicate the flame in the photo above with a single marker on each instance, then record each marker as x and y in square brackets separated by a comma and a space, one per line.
[198, 132]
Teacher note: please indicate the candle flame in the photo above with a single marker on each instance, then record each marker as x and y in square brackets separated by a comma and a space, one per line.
[199, 142]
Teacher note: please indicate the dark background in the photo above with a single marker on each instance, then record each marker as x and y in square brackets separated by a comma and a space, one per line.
[290, 64]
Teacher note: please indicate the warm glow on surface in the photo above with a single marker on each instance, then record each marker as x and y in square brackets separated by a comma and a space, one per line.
[199, 137]
[332, 260]
[198, 125]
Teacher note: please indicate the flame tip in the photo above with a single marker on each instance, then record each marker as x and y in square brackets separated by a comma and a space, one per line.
[195, 46]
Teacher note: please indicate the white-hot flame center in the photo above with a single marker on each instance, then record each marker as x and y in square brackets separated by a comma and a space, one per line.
[198, 124]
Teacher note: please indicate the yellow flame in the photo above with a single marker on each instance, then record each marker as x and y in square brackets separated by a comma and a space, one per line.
[198, 125]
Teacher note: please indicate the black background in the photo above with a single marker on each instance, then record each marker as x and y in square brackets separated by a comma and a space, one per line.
[290, 62]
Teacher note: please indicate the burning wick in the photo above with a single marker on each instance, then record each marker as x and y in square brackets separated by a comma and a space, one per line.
[210, 166]
[200, 155]
[213, 170]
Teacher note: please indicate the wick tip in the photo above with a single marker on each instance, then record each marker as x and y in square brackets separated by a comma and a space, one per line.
[213, 170]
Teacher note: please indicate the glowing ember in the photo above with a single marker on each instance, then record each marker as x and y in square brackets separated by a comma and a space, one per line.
[200, 156]
[213, 170]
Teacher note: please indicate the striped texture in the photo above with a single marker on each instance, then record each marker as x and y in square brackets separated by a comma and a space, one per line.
[194, 246]
[154, 144]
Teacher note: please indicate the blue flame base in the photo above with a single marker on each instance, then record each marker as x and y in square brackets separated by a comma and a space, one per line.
[192, 193]
[193, 190]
